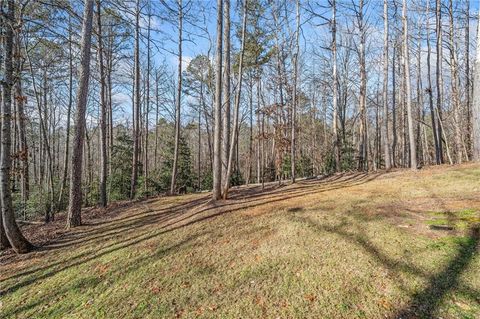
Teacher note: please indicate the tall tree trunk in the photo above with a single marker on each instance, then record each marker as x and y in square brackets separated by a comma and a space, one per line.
[476, 103]
[157, 109]
[394, 108]
[294, 96]
[404, 155]
[4, 243]
[455, 85]
[376, 142]
[136, 103]
[110, 106]
[420, 108]
[103, 114]
[207, 128]
[234, 140]
[147, 108]
[411, 130]
[226, 90]
[217, 161]
[199, 159]
[250, 137]
[468, 90]
[74, 217]
[439, 80]
[12, 232]
[386, 142]
[436, 139]
[336, 140]
[22, 139]
[178, 100]
[49, 213]
[363, 148]
[259, 134]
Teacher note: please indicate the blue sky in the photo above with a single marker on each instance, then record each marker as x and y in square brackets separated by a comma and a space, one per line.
[200, 29]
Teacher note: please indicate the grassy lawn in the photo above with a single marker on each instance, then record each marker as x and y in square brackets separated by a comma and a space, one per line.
[393, 245]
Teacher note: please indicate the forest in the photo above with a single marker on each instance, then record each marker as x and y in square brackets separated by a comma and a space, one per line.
[240, 159]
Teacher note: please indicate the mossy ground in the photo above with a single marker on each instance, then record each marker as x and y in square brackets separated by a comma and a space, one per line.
[347, 246]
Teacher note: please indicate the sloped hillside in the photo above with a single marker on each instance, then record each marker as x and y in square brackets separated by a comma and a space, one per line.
[399, 244]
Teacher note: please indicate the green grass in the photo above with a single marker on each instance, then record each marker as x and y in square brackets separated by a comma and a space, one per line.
[356, 246]
[460, 220]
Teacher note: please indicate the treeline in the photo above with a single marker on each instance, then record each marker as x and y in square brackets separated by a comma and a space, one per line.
[114, 100]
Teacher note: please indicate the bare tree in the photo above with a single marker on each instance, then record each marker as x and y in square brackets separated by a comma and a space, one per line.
[20, 100]
[147, 103]
[406, 56]
[12, 232]
[436, 138]
[438, 15]
[454, 77]
[226, 90]
[157, 109]
[294, 95]
[468, 86]
[217, 165]
[336, 140]
[136, 103]
[234, 140]
[363, 140]
[476, 103]
[103, 113]
[74, 217]
[386, 142]
[178, 99]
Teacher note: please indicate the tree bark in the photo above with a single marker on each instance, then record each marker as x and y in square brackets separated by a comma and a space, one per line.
[363, 148]
[386, 142]
[157, 109]
[336, 140]
[411, 130]
[436, 139]
[103, 113]
[250, 137]
[468, 86]
[394, 108]
[226, 90]
[439, 151]
[136, 103]
[18, 242]
[294, 97]
[74, 217]
[455, 85]
[4, 243]
[20, 109]
[147, 107]
[234, 140]
[476, 104]
[217, 165]
[178, 100]
[199, 153]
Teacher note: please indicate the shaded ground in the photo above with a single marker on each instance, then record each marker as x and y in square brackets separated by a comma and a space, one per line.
[396, 245]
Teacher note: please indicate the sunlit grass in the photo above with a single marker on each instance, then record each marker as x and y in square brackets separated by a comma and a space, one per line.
[355, 246]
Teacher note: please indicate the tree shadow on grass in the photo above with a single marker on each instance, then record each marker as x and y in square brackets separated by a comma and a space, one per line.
[179, 213]
[423, 304]
[137, 229]
[93, 281]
